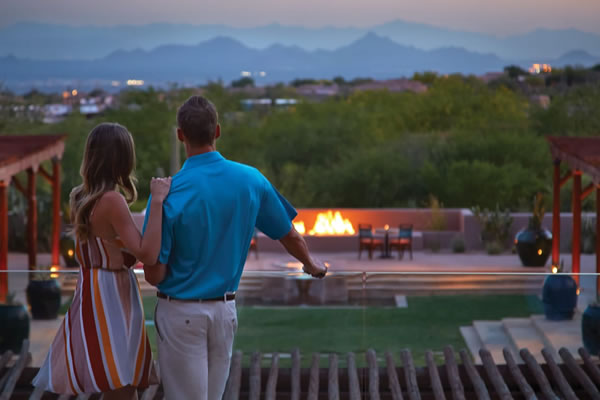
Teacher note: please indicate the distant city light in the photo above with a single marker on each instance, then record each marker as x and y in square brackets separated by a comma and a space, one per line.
[74, 92]
[66, 95]
[115, 83]
[246, 73]
[262, 73]
[540, 68]
[135, 82]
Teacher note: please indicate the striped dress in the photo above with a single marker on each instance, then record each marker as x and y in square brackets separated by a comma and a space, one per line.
[101, 344]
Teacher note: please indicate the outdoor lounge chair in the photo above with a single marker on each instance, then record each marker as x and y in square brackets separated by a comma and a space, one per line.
[403, 241]
[367, 241]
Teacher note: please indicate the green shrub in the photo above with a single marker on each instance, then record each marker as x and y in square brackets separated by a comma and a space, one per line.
[494, 247]
[458, 244]
[495, 227]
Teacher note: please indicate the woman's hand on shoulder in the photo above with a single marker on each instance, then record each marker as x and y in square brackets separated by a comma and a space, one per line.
[159, 188]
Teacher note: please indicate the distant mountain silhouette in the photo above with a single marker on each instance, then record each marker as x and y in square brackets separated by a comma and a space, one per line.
[46, 41]
[224, 58]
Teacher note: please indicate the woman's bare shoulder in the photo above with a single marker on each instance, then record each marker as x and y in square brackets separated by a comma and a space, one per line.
[111, 201]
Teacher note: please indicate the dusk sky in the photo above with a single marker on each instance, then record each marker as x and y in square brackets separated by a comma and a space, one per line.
[500, 17]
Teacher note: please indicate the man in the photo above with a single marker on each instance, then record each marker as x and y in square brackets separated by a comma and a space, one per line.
[209, 219]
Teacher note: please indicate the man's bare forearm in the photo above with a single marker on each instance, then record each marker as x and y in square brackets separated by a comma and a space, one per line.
[295, 244]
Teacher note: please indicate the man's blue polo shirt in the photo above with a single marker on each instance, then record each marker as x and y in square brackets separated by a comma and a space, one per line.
[208, 222]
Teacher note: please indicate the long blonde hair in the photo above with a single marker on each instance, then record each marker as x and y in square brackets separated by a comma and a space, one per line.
[108, 164]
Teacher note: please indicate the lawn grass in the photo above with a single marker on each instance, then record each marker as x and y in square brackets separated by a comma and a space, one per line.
[429, 323]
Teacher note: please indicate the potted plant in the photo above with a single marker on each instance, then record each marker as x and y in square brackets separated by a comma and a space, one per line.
[590, 327]
[534, 243]
[67, 244]
[43, 295]
[495, 228]
[14, 325]
[559, 295]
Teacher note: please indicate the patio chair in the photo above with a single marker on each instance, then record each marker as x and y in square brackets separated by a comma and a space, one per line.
[403, 241]
[253, 244]
[367, 241]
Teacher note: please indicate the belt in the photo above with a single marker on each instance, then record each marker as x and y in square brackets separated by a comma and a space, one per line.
[225, 297]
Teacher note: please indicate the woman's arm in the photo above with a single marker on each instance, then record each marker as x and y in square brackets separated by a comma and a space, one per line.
[147, 247]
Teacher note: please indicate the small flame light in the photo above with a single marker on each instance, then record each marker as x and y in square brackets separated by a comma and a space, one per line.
[540, 252]
[554, 269]
[386, 227]
[70, 252]
[53, 271]
[578, 291]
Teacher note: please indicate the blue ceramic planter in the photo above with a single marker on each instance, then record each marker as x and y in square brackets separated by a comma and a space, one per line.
[534, 247]
[590, 329]
[14, 327]
[559, 296]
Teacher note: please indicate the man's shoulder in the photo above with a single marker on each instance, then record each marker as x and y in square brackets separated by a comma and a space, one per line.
[244, 169]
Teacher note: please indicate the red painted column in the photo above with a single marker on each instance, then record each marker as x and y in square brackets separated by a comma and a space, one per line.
[556, 214]
[56, 225]
[598, 239]
[31, 219]
[576, 247]
[3, 239]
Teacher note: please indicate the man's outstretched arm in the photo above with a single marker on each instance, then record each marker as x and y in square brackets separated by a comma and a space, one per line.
[155, 274]
[295, 244]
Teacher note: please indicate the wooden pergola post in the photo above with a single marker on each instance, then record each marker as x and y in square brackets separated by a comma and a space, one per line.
[556, 214]
[3, 240]
[576, 243]
[31, 219]
[56, 225]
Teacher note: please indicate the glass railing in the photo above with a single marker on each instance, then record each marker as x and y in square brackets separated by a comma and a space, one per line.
[284, 314]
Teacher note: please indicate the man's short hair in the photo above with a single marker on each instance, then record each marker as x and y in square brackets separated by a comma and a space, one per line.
[198, 120]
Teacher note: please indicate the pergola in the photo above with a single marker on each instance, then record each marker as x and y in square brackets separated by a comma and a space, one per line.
[582, 156]
[27, 153]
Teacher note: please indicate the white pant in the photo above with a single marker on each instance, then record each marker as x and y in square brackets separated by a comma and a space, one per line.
[195, 342]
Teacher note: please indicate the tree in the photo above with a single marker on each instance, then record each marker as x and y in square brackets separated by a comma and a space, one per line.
[514, 71]
[243, 82]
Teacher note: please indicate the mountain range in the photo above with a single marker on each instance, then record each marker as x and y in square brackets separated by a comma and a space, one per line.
[225, 58]
[47, 41]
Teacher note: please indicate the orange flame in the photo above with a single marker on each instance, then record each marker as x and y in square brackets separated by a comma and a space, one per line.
[328, 223]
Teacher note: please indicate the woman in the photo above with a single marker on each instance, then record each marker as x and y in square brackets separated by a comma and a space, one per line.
[102, 345]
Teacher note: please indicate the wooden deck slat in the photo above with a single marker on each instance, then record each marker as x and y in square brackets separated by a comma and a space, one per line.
[559, 378]
[353, 385]
[579, 374]
[394, 383]
[478, 383]
[592, 369]
[83, 396]
[410, 375]
[518, 377]
[6, 357]
[313, 382]
[37, 393]
[458, 392]
[333, 386]
[64, 397]
[255, 370]
[295, 384]
[234, 382]
[373, 374]
[15, 371]
[494, 375]
[434, 377]
[538, 374]
[271, 389]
